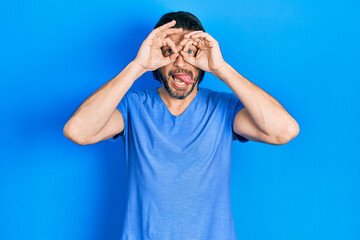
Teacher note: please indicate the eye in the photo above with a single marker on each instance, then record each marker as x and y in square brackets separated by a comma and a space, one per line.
[190, 51]
[168, 51]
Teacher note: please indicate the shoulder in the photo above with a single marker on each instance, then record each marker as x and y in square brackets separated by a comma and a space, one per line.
[138, 94]
[217, 96]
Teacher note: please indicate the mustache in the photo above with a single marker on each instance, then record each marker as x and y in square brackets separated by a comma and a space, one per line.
[181, 71]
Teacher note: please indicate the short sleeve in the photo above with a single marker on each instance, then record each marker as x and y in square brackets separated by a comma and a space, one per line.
[235, 106]
[123, 109]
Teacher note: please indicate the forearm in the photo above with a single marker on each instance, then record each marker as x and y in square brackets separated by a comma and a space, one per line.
[96, 110]
[267, 113]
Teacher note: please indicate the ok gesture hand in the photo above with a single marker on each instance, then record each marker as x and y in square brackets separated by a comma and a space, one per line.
[150, 56]
[208, 56]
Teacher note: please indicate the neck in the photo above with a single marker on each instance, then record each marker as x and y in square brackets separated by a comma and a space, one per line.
[175, 103]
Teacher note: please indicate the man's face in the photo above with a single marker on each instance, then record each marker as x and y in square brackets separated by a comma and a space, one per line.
[172, 84]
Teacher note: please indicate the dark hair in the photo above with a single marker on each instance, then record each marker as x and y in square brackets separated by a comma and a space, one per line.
[186, 21]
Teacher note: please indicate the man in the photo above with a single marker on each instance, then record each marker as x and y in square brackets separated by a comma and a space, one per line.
[177, 138]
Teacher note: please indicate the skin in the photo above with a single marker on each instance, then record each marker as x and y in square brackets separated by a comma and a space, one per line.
[171, 50]
[262, 119]
[196, 52]
[180, 65]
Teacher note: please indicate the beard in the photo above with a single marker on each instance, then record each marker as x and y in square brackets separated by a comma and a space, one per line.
[178, 94]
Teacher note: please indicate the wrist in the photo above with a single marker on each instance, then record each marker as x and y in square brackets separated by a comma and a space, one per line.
[135, 66]
[219, 72]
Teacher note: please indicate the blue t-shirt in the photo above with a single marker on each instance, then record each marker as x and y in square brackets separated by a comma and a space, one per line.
[178, 167]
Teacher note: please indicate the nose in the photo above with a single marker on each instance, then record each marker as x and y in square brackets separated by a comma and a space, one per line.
[179, 62]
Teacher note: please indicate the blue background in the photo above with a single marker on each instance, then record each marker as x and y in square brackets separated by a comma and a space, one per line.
[303, 53]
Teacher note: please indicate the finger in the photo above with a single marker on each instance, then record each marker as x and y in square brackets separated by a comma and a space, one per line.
[165, 26]
[170, 59]
[196, 41]
[161, 35]
[159, 29]
[197, 35]
[170, 43]
[188, 58]
[173, 57]
[184, 41]
[187, 45]
[201, 44]
[188, 35]
[205, 36]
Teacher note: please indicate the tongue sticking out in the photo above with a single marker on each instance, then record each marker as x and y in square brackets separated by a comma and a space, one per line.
[184, 77]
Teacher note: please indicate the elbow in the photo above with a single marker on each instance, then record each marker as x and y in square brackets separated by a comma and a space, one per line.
[291, 132]
[66, 131]
[69, 134]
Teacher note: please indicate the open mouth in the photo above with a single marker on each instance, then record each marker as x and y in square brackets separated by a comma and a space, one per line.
[182, 80]
[179, 83]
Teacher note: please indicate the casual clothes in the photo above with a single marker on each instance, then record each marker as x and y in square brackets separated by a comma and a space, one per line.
[178, 167]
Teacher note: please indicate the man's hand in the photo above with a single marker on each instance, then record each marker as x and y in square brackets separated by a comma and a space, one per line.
[208, 56]
[150, 56]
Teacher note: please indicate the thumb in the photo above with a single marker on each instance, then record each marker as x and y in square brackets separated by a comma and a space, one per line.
[171, 58]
